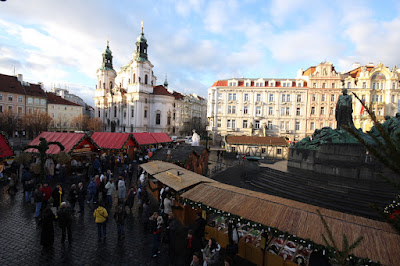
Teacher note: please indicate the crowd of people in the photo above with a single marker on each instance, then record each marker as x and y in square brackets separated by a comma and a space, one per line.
[113, 187]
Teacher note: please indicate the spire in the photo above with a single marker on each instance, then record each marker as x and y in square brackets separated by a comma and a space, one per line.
[141, 47]
[107, 58]
[166, 81]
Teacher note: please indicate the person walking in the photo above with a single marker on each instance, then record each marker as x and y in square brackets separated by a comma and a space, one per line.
[131, 198]
[100, 214]
[64, 218]
[46, 189]
[120, 216]
[121, 190]
[171, 229]
[92, 189]
[72, 197]
[57, 195]
[38, 198]
[47, 235]
[81, 197]
[146, 216]
[110, 190]
[28, 185]
[156, 225]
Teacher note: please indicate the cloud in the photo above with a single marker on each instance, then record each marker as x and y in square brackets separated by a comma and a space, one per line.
[185, 7]
[220, 16]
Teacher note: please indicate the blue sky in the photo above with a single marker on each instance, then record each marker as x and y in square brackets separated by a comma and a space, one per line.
[194, 42]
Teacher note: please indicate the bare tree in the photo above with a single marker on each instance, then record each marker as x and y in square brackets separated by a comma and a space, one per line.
[95, 124]
[80, 122]
[35, 122]
[8, 122]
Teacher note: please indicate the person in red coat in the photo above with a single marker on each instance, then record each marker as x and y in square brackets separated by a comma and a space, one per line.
[46, 195]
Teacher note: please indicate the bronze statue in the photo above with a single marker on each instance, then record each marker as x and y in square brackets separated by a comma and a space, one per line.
[344, 110]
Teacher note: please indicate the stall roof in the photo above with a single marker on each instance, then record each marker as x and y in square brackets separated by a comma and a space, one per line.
[380, 241]
[68, 140]
[155, 167]
[5, 148]
[144, 138]
[161, 137]
[254, 140]
[108, 140]
[179, 178]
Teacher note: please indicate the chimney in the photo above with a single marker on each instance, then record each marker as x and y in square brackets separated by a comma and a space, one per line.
[20, 78]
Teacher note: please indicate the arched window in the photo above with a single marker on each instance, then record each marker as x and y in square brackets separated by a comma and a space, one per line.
[104, 85]
[158, 119]
[111, 84]
[145, 79]
[115, 111]
[129, 81]
[134, 78]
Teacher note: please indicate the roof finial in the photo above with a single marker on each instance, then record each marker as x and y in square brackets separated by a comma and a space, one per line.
[142, 26]
[108, 41]
[166, 81]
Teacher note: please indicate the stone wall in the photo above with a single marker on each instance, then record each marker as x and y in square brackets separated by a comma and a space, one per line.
[344, 160]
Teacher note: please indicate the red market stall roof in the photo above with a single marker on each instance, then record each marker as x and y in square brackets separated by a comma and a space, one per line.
[72, 142]
[5, 148]
[112, 141]
[161, 137]
[144, 138]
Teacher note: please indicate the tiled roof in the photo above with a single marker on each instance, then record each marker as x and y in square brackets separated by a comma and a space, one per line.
[356, 72]
[253, 83]
[10, 84]
[161, 90]
[55, 99]
[309, 71]
[177, 95]
[254, 140]
[34, 90]
[220, 83]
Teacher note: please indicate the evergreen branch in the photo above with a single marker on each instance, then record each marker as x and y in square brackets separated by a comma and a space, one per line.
[356, 243]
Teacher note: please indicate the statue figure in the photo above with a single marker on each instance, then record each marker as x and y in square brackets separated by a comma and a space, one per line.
[344, 110]
[195, 139]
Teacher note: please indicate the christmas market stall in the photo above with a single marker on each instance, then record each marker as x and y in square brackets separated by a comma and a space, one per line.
[178, 180]
[112, 142]
[278, 231]
[271, 147]
[6, 154]
[161, 138]
[77, 145]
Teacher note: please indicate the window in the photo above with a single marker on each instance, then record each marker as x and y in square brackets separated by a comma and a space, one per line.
[1, 108]
[321, 125]
[257, 124]
[19, 110]
[323, 97]
[10, 98]
[132, 112]
[246, 97]
[258, 97]
[314, 97]
[146, 80]
[269, 124]
[288, 98]
[331, 111]
[232, 97]
[219, 109]
[233, 149]
[219, 123]
[247, 84]
[282, 110]
[323, 85]
[43, 102]
[379, 111]
[158, 118]
[219, 96]
[145, 100]
[313, 110]
[333, 98]
[373, 86]
[298, 111]
[314, 85]
[115, 111]
[287, 111]
[333, 85]
[65, 108]
[20, 99]
[270, 110]
[36, 101]
[1, 97]
[145, 113]
[297, 125]
[393, 101]
[10, 108]
[169, 119]
[258, 110]
[231, 109]
[393, 85]
[271, 97]
[299, 98]
[233, 123]
[298, 84]
[312, 125]
[245, 124]
[279, 151]
[230, 84]
[228, 123]
[348, 85]
[283, 97]
[134, 77]
[262, 150]
[245, 110]
[364, 85]
[282, 125]
[322, 110]
[174, 116]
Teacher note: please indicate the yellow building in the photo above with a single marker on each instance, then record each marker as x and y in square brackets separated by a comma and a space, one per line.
[378, 87]
[62, 112]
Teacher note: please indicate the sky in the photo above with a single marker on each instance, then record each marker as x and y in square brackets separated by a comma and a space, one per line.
[193, 42]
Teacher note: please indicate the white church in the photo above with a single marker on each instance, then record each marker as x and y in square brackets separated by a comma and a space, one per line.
[130, 101]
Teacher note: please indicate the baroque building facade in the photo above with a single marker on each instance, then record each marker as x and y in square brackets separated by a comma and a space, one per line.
[295, 108]
[130, 100]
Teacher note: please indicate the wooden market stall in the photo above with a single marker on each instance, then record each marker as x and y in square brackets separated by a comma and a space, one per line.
[179, 180]
[6, 152]
[293, 224]
[161, 138]
[115, 142]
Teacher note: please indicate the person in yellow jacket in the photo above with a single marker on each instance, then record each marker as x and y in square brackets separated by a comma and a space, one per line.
[100, 214]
